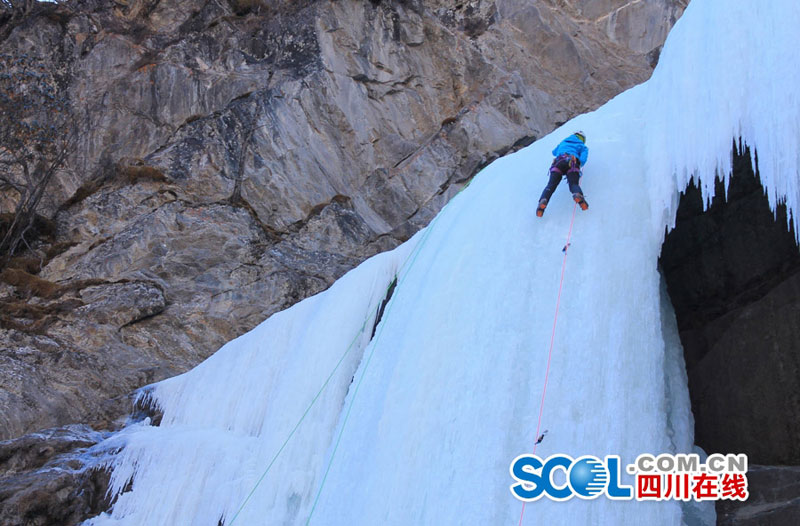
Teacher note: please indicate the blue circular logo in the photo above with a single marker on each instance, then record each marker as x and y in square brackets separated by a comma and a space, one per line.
[588, 477]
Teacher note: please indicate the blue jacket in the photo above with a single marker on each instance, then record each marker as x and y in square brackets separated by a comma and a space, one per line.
[573, 146]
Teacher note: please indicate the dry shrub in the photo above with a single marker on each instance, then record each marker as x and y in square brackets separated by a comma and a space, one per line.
[133, 174]
[126, 172]
[30, 285]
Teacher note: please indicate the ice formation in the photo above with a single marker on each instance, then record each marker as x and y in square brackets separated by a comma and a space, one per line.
[447, 392]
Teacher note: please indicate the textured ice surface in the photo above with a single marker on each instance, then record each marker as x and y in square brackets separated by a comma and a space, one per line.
[448, 391]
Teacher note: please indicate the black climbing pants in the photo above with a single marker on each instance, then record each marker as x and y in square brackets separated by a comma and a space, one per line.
[564, 164]
[555, 178]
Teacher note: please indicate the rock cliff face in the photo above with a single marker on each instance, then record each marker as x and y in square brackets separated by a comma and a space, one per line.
[773, 499]
[44, 478]
[733, 273]
[236, 157]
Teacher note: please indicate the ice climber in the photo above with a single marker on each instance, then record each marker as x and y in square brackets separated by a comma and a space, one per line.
[570, 156]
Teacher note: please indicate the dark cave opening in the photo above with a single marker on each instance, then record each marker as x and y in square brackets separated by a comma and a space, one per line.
[733, 275]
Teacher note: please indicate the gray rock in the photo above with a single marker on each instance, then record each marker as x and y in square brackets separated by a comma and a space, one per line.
[49, 478]
[33, 451]
[774, 499]
[237, 157]
[733, 274]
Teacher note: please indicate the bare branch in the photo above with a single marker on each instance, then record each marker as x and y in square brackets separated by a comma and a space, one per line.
[36, 136]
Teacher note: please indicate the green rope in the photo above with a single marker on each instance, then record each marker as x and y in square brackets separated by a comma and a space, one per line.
[305, 413]
[358, 385]
[308, 409]
[416, 253]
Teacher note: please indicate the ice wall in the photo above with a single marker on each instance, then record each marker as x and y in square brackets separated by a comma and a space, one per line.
[729, 70]
[448, 391]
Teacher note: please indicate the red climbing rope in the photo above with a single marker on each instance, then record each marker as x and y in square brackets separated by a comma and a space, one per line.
[552, 340]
